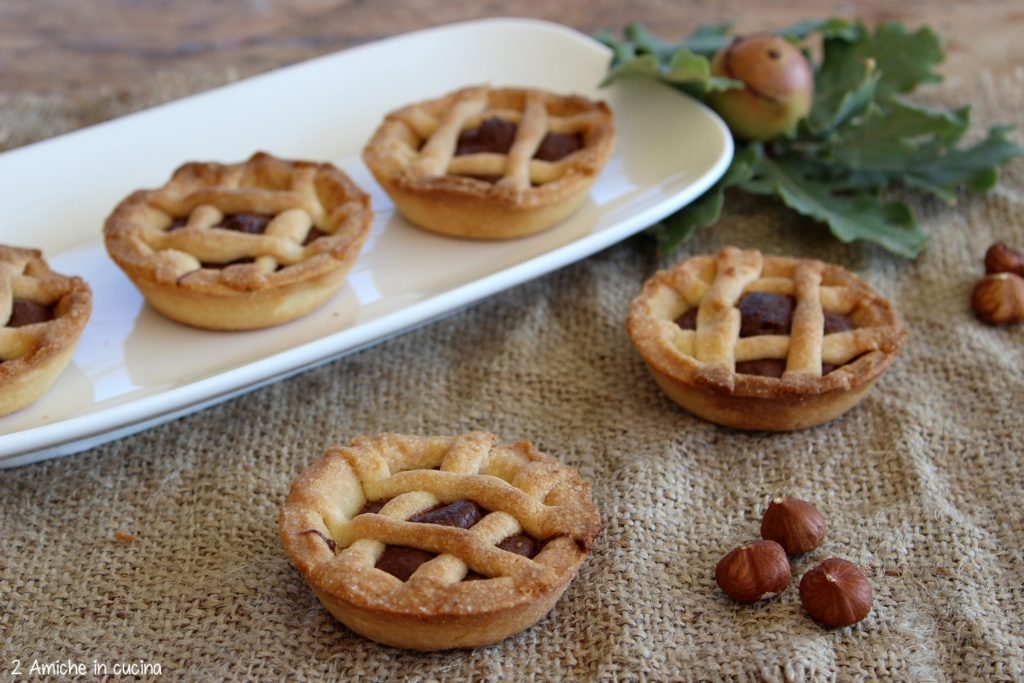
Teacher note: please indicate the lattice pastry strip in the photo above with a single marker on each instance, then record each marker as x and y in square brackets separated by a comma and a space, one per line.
[42, 315]
[718, 320]
[294, 210]
[458, 478]
[517, 169]
[518, 491]
[243, 245]
[716, 338]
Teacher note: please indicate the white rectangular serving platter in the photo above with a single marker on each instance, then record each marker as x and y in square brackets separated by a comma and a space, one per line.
[134, 369]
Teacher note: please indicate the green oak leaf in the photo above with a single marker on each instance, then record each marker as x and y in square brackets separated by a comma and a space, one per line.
[645, 55]
[916, 146]
[680, 226]
[683, 68]
[941, 171]
[833, 27]
[837, 101]
[689, 68]
[850, 216]
[708, 39]
[904, 60]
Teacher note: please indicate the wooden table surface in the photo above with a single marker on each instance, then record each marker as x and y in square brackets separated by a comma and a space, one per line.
[81, 47]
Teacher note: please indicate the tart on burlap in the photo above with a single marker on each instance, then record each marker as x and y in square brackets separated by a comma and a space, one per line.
[241, 246]
[491, 163]
[763, 342]
[42, 315]
[437, 542]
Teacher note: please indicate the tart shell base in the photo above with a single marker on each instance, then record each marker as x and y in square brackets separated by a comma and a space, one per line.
[450, 632]
[756, 414]
[242, 311]
[460, 216]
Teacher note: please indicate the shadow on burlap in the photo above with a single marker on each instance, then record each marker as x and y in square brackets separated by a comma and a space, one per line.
[920, 484]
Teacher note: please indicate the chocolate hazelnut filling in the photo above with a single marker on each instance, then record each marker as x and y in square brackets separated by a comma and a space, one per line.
[557, 146]
[25, 312]
[520, 544]
[331, 545]
[836, 322]
[461, 513]
[313, 235]
[688, 320]
[495, 136]
[765, 313]
[402, 561]
[372, 506]
[763, 367]
[251, 223]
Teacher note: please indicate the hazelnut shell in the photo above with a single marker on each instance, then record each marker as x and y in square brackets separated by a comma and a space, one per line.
[794, 524]
[998, 299]
[1001, 258]
[754, 571]
[836, 593]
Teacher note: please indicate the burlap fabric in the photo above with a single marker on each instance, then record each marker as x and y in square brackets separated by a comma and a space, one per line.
[921, 484]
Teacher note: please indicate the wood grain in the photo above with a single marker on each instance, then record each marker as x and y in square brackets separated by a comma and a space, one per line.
[79, 47]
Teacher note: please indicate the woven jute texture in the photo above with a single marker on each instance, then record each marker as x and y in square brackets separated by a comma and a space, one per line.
[921, 484]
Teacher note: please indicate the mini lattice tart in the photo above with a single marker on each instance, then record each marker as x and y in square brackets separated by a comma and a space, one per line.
[42, 315]
[438, 542]
[241, 246]
[762, 342]
[491, 163]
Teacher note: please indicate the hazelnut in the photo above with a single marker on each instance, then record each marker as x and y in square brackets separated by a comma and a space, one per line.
[998, 299]
[794, 524]
[835, 593]
[1001, 258]
[753, 571]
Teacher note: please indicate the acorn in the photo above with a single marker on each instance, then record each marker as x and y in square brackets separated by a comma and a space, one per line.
[778, 86]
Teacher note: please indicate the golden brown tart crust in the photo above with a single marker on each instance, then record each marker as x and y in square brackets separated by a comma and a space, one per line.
[173, 244]
[32, 355]
[825, 374]
[483, 194]
[473, 591]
